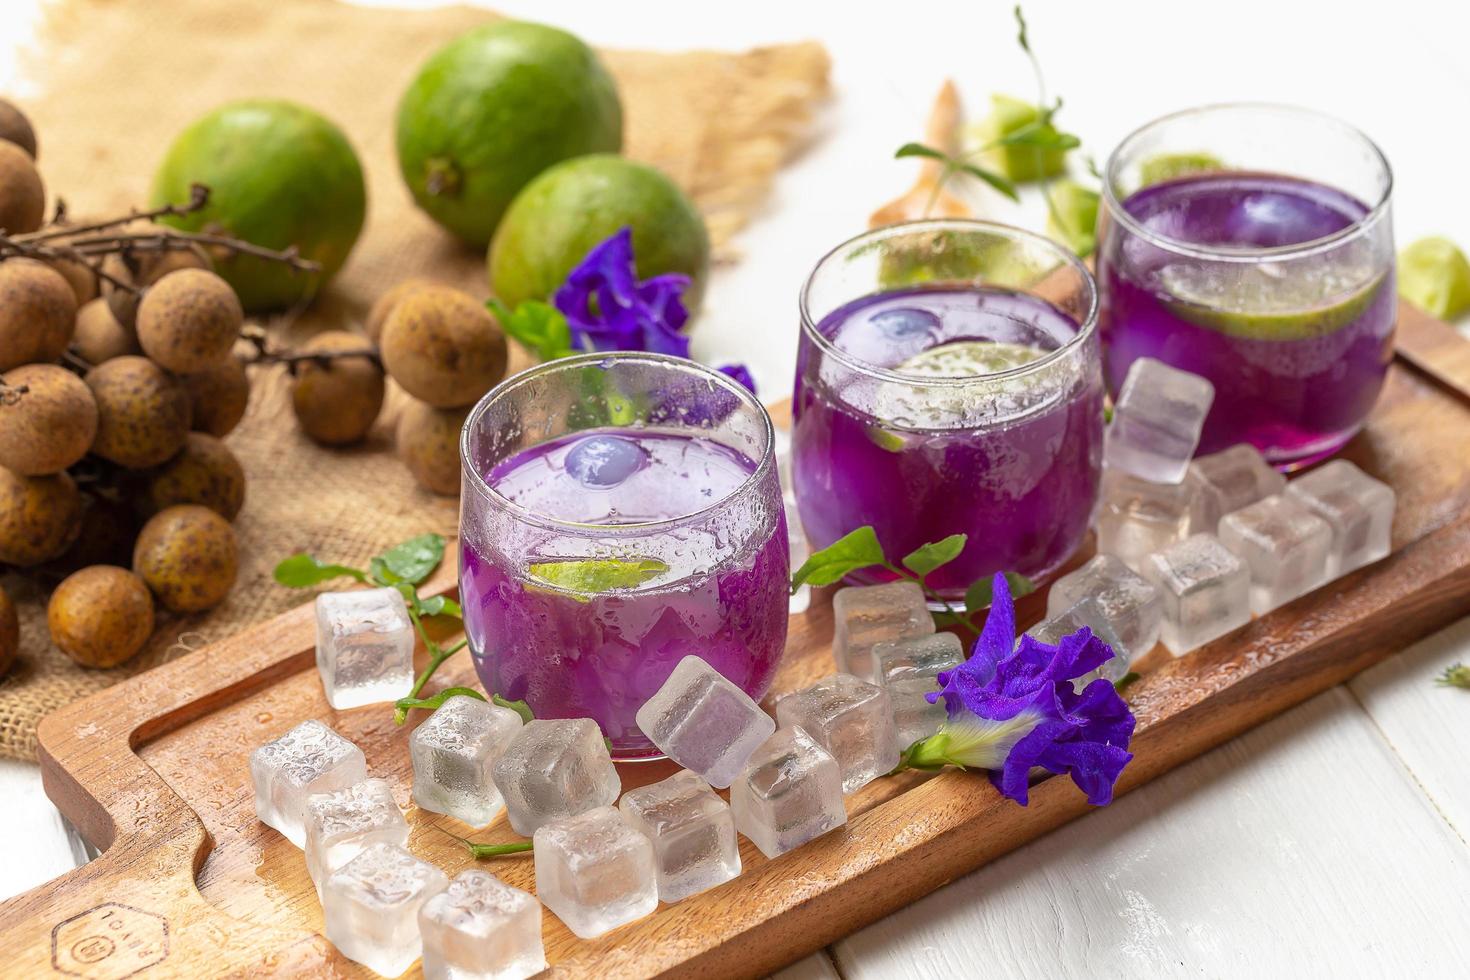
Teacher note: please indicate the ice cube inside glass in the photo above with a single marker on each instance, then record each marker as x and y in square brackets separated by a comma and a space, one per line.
[1130, 603]
[692, 831]
[1231, 479]
[704, 722]
[454, 751]
[1086, 613]
[595, 871]
[364, 646]
[851, 719]
[790, 793]
[371, 907]
[1284, 544]
[1157, 421]
[908, 671]
[309, 759]
[554, 769]
[480, 928]
[1358, 508]
[339, 825]
[866, 615]
[1136, 517]
[1205, 589]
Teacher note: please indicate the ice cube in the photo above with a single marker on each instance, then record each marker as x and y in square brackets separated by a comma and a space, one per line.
[851, 719]
[364, 646]
[1130, 604]
[480, 928]
[555, 769]
[1358, 508]
[866, 615]
[1086, 613]
[371, 907]
[595, 872]
[908, 669]
[800, 552]
[692, 832]
[309, 759]
[1157, 421]
[1284, 544]
[704, 723]
[1136, 517]
[1205, 589]
[339, 825]
[1231, 479]
[604, 461]
[453, 752]
[789, 793]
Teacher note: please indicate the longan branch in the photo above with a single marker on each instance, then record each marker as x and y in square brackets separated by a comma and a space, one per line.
[198, 198]
[176, 240]
[264, 355]
[17, 247]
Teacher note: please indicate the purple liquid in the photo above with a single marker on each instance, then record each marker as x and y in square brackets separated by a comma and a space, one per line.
[1294, 382]
[601, 656]
[1015, 467]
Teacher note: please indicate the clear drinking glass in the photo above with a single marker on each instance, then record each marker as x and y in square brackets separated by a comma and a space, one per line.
[948, 380]
[620, 512]
[1253, 245]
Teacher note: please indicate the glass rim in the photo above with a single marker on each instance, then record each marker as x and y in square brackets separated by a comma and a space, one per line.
[507, 387]
[1067, 258]
[1236, 253]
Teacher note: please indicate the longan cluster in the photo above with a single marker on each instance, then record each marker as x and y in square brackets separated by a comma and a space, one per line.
[118, 381]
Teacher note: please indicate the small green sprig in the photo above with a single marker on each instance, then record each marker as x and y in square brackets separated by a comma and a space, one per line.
[403, 567]
[1455, 676]
[861, 549]
[539, 326]
[482, 851]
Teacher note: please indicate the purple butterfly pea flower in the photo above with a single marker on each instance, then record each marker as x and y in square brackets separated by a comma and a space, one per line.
[608, 309]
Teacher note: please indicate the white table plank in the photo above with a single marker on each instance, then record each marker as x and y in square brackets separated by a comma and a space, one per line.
[38, 846]
[1302, 847]
[1427, 725]
[817, 966]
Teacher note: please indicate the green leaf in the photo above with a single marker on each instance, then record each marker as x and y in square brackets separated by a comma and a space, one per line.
[858, 549]
[302, 571]
[591, 576]
[1072, 216]
[1003, 184]
[919, 150]
[979, 595]
[412, 561]
[541, 327]
[1456, 676]
[927, 557]
[404, 705]
[439, 605]
[519, 707]
[1126, 680]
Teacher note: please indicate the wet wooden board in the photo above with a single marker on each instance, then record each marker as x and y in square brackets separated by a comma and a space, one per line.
[154, 772]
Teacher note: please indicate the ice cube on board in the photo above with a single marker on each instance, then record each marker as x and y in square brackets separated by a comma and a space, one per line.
[595, 871]
[1135, 517]
[364, 646]
[1205, 590]
[866, 615]
[340, 824]
[309, 759]
[703, 722]
[454, 752]
[1130, 603]
[1231, 479]
[1358, 508]
[851, 719]
[1157, 421]
[692, 831]
[480, 928]
[790, 793]
[1284, 544]
[371, 907]
[1086, 613]
[908, 671]
[554, 769]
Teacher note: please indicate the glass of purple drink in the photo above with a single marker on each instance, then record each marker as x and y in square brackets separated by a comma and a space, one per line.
[620, 512]
[948, 381]
[1253, 245]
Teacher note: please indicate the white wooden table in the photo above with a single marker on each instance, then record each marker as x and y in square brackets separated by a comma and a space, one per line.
[1330, 842]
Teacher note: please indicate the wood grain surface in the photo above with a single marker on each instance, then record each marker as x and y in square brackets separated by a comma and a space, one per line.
[154, 770]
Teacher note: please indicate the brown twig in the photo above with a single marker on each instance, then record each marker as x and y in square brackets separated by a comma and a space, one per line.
[15, 247]
[323, 359]
[77, 361]
[178, 240]
[198, 198]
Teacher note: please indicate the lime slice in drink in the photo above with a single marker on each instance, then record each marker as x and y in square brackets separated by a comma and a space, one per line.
[973, 359]
[1258, 302]
[586, 577]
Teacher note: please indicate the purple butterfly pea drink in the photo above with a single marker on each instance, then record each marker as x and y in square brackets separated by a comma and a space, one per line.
[620, 512]
[949, 381]
[1253, 245]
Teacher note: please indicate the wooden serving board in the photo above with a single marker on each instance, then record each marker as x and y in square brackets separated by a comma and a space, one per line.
[154, 771]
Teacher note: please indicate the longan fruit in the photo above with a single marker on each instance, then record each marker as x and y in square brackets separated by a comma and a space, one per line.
[40, 516]
[82, 278]
[99, 337]
[38, 312]
[428, 444]
[49, 427]
[15, 127]
[142, 412]
[443, 347]
[154, 266]
[189, 320]
[108, 529]
[218, 396]
[100, 616]
[22, 192]
[205, 472]
[123, 303]
[383, 305]
[9, 633]
[337, 403]
[188, 557]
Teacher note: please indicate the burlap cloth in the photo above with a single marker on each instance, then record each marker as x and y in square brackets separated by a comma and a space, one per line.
[119, 79]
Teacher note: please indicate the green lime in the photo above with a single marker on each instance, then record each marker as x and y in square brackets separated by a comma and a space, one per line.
[969, 358]
[587, 577]
[1256, 305]
[492, 109]
[279, 175]
[1171, 166]
[563, 213]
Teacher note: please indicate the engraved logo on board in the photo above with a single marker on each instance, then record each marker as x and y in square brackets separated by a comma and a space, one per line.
[109, 942]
